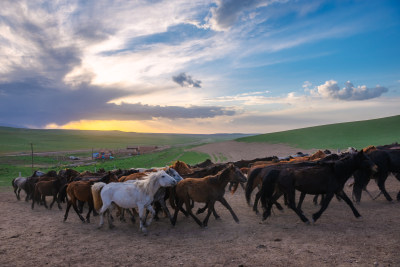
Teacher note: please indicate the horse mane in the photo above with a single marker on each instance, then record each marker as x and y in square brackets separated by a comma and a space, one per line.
[369, 149]
[181, 167]
[318, 155]
[148, 183]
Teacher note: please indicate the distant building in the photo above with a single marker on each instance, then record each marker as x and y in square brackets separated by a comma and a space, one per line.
[103, 154]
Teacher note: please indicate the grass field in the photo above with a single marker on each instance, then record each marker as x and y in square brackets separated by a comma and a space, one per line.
[337, 136]
[14, 140]
[159, 159]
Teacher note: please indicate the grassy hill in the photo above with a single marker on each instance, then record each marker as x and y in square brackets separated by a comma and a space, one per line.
[357, 134]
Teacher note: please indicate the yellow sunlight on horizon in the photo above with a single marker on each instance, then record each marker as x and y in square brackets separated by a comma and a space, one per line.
[111, 125]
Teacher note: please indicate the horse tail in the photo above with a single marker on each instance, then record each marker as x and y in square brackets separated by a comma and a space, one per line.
[13, 183]
[62, 194]
[269, 185]
[96, 190]
[250, 182]
[172, 196]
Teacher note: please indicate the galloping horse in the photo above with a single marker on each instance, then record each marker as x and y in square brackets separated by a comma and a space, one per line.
[326, 178]
[387, 160]
[79, 190]
[206, 190]
[138, 194]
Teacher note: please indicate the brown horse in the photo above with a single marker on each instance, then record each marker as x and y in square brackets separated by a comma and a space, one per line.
[134, 176]
[206, 190]
[181, 167]
[79, 190]
[48, 188]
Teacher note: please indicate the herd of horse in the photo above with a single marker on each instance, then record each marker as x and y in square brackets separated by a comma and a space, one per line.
[143, 191]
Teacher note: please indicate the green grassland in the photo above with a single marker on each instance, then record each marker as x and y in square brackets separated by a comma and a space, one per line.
[158, 159]
[13, 140]
[337, 136]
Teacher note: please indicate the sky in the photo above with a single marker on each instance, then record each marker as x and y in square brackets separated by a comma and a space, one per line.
[191, 66]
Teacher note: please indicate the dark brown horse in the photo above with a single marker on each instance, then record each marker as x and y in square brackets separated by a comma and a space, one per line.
[326, 178]
[48, 188]
[206, 190]
[388, 161]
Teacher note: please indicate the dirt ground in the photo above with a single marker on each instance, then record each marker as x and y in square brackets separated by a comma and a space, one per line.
[39, 237]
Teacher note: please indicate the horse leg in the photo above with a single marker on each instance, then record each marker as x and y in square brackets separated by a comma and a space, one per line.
[58, 202]
[189, 211]
[256, 199]
[165, 209]
[178, 206]
[203, 209]
[110, 219]
[326, 200]
[54, 200]
[210, 209]
[292, 204]
[225, 203]
[91, 208]
[315, 199]
[397, 175]
[67, 210]
[15, 191]
[19, 191]
[301, 199]
[44, 201]
[73, 203]
[153, 212]
[131, 214]
[381, 185]
[346, 199]
[103, 209]
[80, 206]
[142, 219]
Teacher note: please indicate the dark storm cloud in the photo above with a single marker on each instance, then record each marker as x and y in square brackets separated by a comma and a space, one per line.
[186, 81]
[33, 103]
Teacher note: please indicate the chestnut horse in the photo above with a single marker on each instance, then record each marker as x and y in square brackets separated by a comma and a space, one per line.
[79, 190]
[207, 190]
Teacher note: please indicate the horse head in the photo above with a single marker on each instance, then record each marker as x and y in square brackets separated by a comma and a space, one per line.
[173, 173]
[164, 179]
[236, 176]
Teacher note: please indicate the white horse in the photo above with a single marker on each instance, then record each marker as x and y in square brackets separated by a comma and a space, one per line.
[138, 194]
[19, 184]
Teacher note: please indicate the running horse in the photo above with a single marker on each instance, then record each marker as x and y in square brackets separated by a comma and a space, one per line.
[207, 190]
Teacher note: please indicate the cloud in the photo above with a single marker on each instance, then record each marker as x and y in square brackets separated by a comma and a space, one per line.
[228, 12]
[186, 80]
[34, 102]
[330, 89]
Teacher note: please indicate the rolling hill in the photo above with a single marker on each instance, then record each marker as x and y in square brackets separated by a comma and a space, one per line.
[357, 134]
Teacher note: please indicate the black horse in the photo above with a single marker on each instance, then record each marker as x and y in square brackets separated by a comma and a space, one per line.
[387, 160]
[326, 178]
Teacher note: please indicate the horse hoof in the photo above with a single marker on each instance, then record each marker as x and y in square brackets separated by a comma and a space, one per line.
[218, 218]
